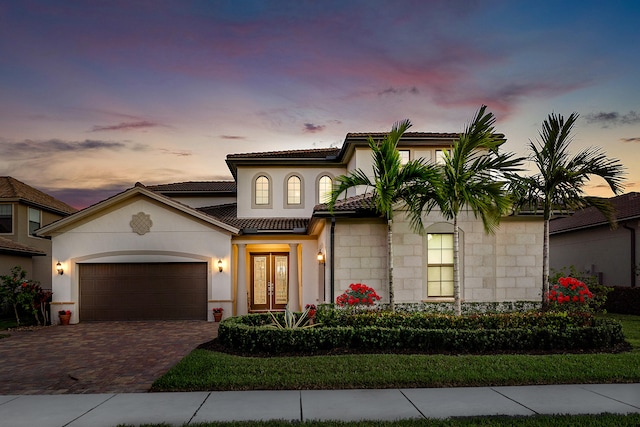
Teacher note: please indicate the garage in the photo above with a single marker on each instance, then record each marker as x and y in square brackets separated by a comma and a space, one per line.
[143, 291]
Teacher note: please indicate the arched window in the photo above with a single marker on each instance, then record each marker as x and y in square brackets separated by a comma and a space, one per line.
[325, 185]
[294, 190]
[262, 190]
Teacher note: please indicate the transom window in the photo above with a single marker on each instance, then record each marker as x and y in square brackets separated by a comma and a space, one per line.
[294, 190]
[439, 265]
[34, 220]
[262, 190]
[6, 218]
[325, 185]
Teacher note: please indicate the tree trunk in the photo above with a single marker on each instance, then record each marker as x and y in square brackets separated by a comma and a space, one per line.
[457, 303]
[390, 254]
[545, 265]
[15, 310]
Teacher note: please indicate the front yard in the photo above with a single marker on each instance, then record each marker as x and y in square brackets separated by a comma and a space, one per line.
[211, 370]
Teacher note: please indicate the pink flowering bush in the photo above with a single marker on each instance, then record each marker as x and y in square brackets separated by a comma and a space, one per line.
[569, 294]
[358, 295]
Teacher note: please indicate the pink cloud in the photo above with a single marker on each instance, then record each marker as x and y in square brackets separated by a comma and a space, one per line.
[125, 126]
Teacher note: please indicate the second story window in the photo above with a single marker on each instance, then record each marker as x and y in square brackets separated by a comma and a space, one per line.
[325, 185]
[262, 190]
[35, 220]
[294, 190]
[6, 218]
[404, 156]
[440, 156]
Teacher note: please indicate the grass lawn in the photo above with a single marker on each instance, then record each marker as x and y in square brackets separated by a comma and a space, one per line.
[607, 420]
[207, 370]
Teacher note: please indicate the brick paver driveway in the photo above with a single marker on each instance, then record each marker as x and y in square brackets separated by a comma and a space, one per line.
[96, 357]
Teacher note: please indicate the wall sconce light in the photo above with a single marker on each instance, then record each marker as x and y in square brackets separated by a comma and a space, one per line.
[220, 265]
[59, 268]
[320, 257]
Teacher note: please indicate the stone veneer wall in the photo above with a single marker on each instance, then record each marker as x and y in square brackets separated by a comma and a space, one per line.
[361, 255]
[505, 266]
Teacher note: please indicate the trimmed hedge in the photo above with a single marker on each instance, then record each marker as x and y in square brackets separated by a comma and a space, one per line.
[623, 300]
[382, 331]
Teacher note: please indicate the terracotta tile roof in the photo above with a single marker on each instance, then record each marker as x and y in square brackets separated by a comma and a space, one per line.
[228, 214]
[406, 135]
[627, 206]
[361, 204]
[316, 153]
[11, 188]
[9, 246]
[196, 186]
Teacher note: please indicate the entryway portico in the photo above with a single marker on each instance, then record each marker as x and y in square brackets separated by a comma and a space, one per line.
[268, 276]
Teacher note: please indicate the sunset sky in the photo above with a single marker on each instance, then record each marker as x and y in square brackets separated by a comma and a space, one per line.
[96, 95]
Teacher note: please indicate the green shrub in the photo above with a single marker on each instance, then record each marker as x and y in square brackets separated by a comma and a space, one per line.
[600, 292]
[381, 331]
[623, 300]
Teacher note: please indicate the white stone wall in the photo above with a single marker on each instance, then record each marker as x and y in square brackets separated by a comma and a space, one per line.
[505, 266]
[361, 255]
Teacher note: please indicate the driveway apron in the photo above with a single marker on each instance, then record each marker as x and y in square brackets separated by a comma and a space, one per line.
[96, 357]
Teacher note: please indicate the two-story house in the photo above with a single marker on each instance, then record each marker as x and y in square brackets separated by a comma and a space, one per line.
[267, 239]
[23, 210]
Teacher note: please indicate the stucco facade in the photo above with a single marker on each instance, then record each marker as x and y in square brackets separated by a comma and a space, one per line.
[274, 253]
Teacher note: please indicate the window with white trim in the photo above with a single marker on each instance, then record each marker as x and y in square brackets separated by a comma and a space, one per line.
[439, 265]
[440, 156]
[325, 186]
[6, 218]
[294, 190]
[262, 188]
[405, 156]
[35, 220]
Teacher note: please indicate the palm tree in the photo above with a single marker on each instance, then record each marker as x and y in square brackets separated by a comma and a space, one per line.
[472, 178]
[560, 179]
[392, 184]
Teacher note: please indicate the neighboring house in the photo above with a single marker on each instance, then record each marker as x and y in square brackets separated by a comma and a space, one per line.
[267, 239]
[23, 210]
[586, 241]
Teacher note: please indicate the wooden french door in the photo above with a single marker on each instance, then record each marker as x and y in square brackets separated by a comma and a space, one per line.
[269, 281]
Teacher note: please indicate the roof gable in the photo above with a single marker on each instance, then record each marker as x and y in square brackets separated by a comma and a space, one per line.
[135, 191]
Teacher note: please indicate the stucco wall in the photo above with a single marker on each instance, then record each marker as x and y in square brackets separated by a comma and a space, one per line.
[174, 237]
[596, 250]
[310, 175]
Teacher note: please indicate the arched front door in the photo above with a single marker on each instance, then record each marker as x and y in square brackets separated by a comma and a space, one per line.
[269, 281]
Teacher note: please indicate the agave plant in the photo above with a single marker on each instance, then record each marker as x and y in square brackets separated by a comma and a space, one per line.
[290, 320]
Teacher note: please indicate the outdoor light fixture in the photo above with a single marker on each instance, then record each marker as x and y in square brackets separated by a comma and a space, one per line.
[59, 268]
[320, 257]
[220, 265]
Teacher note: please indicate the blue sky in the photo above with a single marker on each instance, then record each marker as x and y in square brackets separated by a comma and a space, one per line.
[96, 95]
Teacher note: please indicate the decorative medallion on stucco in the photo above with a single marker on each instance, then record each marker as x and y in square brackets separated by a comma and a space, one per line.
[141, 223]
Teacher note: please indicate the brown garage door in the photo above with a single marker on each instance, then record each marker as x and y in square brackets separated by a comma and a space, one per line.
[158, 291]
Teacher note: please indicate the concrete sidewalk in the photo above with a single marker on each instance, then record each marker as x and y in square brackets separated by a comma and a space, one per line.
[109, 410]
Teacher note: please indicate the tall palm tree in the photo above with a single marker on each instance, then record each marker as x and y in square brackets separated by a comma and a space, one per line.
[560, 180]
[472, 177]
[393, 184]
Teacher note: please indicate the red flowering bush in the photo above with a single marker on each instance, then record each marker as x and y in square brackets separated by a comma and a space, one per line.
[357, 295]
[569, 291]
